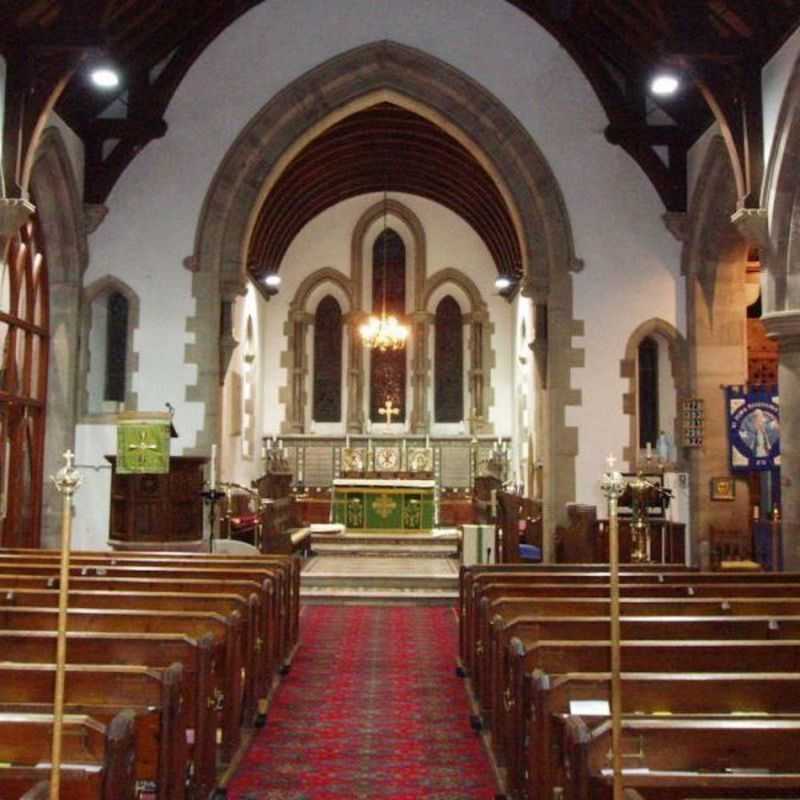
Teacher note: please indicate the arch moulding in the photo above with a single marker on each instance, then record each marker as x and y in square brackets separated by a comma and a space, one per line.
[356, 79]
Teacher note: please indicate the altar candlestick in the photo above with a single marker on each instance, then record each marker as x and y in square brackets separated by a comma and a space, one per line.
[212, 480]
[649, 450]
[347, 441]
[427, 440]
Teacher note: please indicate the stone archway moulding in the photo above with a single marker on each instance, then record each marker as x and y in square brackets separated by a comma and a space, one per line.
[679, 363]
[448, 97]
[54, 189]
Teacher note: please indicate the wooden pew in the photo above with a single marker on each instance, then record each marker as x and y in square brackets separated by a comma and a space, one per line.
[642, 693]
[680, 758]
[101, 692]
[525, 604]
[226, 632]
[226, 605]
[97, 760]
[154, 650]
[508, 702]
[473, 577]
[284, 622]
[562, 657]
[629, 606]
[249, 591]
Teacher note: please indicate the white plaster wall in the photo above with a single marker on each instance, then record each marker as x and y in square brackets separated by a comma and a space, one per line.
[325, 242]
[631, 262]
[774, 80]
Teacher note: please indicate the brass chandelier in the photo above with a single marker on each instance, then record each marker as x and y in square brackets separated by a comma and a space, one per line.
[384, 332]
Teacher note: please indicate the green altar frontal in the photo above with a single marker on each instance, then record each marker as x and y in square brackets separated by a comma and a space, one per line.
[384, 506]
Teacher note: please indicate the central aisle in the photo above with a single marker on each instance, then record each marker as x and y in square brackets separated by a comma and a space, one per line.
[371, 709]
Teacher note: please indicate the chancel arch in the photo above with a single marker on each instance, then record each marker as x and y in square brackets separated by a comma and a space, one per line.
[360, 78]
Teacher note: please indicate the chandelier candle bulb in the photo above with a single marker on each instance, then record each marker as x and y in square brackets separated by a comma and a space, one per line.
[212, 479]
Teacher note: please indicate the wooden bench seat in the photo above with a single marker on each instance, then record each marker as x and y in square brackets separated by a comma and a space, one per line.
[679, 758]
[226, 605]
[97, 762]
[284, 615]
[226, 632]
[154, 650]
[642, 693]
[101, 692]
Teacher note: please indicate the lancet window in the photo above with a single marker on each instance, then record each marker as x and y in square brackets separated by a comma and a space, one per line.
[327, 404]
[449, 362]
[388, 369]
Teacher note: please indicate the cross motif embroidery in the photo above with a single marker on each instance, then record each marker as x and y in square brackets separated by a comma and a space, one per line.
[388, 411]
[384, 506]
[142, 446]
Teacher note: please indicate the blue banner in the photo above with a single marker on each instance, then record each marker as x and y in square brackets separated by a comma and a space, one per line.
[753, 428]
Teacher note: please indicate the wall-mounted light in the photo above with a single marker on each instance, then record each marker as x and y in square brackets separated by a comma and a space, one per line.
[502, 282]
[664, 84]
[273, 280]
[104, 76]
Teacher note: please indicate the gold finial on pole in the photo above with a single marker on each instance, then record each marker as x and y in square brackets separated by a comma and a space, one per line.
[613, 486]
[67, 481]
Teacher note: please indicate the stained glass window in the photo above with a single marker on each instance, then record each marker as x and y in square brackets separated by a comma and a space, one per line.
[328, 361]
[449, 362]
[116, 347]
[388, 372]
[648, 391]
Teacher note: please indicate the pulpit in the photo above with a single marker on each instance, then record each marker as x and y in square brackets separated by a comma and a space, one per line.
[158, 511]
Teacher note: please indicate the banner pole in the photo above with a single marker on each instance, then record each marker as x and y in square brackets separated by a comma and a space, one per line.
[67, 480]
[613, 485]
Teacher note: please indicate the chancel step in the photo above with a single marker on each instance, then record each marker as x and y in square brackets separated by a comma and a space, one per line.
[380, 579]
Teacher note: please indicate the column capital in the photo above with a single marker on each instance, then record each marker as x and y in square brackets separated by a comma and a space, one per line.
[784, 326]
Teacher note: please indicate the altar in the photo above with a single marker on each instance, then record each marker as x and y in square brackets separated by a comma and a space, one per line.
[381, 505]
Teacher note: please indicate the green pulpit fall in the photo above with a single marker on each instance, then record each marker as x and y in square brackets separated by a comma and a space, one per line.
[142, 448]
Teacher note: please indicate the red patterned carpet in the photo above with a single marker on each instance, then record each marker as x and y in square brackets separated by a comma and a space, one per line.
[372, 709]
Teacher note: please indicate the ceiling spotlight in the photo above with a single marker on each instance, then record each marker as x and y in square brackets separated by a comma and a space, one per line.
[272, 280]
[104, 77]
[664, 84]
[502, 283]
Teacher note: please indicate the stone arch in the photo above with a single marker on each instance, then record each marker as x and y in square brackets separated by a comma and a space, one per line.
[366, 220]
[780, 282]
[295, 393]
[714, 260]
[358, 78]
[54, 188]
[781, 198]
[455, 276]
[104, 286]
[679, 363]
[310, 282]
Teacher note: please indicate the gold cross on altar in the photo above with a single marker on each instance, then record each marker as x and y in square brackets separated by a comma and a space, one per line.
[388, 411]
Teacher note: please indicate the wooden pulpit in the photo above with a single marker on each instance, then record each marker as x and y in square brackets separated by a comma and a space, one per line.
[158, 511]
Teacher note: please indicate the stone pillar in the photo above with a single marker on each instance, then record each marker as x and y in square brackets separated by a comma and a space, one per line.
[61, 399]
[420, 385]
[298, 372]
[478, 369]
[784, 326]
[355, 374]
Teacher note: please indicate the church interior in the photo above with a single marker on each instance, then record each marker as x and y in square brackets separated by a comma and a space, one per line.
[397, 400]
